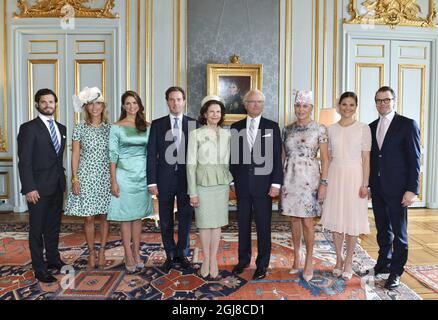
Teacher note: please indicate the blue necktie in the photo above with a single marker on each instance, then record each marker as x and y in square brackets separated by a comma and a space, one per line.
[53, 136]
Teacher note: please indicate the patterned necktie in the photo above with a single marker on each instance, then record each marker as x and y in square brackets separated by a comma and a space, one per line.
[381, 132]
[251, 134]
[175, 132]
[53, 136]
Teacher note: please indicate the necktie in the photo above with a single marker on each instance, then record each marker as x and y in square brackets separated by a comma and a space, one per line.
[381, 132]
[251, 133]
[175, 132]
[53, 136]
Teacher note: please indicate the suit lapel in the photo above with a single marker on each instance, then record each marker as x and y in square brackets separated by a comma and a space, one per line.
[45, 131]
[166, 128]
[395, 123]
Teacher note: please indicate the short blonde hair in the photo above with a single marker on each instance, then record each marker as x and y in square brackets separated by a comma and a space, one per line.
[104, 116]
[245, 97]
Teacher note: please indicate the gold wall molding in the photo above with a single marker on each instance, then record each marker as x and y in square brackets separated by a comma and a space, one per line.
[5, 174]
[31, 92]
[392, 13]
[359, 67]
[422, 69]
[54, 9]
[80, 62]
[4, 136]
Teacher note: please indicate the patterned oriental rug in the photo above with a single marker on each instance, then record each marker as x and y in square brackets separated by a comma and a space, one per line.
[427, 275]
[17, 280]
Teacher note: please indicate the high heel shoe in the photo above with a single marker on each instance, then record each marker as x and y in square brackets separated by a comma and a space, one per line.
[347, 275]
[130, 269]
[337, 272]
[200, 275]
[308, 276]
[102, 262]
[91, 264]
[295, 271]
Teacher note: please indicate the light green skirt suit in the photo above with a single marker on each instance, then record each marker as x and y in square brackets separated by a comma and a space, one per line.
[208, 175]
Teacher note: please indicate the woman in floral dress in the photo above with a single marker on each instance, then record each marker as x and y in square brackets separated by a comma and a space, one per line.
[91, 188]
[304, 186]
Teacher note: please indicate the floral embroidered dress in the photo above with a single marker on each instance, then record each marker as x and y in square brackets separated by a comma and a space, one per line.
[299, 197]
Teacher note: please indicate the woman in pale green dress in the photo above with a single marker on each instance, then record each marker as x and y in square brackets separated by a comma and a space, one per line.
[208, 178]
[130, 201]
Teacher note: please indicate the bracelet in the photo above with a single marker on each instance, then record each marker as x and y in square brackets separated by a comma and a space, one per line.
[74, 179]
[364, 187]
[323, 182]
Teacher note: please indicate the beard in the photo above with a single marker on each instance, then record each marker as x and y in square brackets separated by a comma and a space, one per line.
[46, 112]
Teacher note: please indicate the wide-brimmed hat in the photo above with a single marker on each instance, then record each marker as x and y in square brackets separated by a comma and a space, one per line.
[86, 96]
[304, 97]
[212, 98]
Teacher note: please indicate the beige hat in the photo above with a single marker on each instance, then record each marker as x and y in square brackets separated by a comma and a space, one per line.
[86, 96]
[210, 98]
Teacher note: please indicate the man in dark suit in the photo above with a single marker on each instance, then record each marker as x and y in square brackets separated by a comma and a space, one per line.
[394, 183]
[257, 171]
[41, 143]
[167, 178]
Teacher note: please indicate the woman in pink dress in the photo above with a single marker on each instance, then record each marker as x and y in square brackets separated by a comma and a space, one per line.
[345, 210]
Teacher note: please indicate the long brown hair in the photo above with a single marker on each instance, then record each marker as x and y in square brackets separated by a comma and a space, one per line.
[140, 121]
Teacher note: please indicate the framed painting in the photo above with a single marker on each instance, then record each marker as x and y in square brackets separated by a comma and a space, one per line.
[231, 82]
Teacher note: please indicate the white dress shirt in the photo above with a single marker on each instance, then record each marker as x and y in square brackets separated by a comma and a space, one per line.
[46, 119]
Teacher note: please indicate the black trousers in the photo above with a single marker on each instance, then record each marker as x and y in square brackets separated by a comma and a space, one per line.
[185, 214]
[392, 236]
[44, 227]
[261, 209]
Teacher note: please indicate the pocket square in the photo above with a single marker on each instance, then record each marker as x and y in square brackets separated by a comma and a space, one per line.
[266, 135]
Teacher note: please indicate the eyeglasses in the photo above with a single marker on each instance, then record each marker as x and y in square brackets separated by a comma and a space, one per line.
[255, 101]
[385, 101]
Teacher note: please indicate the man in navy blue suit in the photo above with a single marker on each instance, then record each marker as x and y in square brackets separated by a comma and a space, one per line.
[41, 144]
[167, 178]
[394, 183]
[257, 171]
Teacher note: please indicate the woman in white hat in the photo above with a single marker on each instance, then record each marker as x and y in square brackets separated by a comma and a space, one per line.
[208, 178]
[304, 184]
[90, 194]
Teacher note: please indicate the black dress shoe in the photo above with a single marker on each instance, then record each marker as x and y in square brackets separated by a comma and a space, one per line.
[393, 282]
[260, 273]
[45, 277]
[58, 265]
[184, 262]
[238, 268]
[168, 264]
[378, 270]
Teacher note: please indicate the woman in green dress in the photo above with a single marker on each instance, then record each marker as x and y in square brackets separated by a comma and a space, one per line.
[130, 201]
[90, 194]
[208, 179]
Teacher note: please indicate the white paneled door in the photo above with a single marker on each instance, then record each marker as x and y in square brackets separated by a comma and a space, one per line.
[403, 65]
[65, 64]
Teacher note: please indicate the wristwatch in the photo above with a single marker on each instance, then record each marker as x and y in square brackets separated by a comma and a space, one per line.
[323, 182]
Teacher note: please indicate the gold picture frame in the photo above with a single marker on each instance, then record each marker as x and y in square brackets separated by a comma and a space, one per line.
[231, 82]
